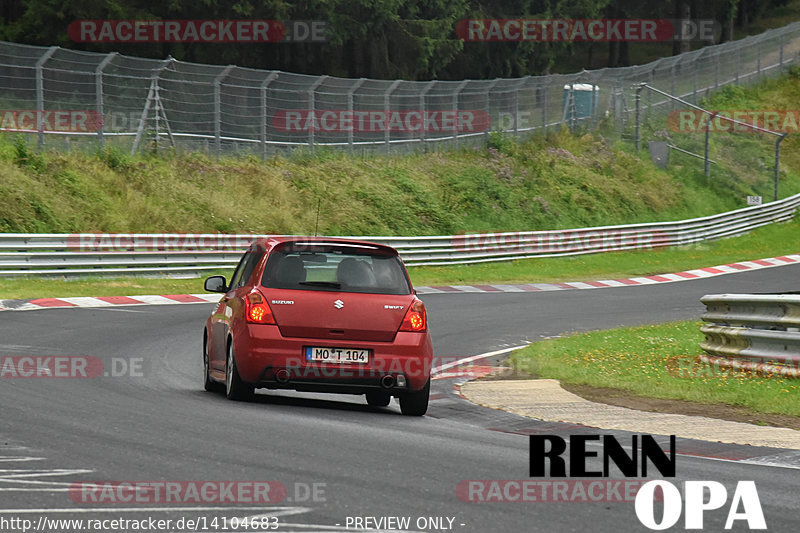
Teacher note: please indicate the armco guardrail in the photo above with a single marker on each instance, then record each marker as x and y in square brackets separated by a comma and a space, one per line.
[61, 254]
[753, 331]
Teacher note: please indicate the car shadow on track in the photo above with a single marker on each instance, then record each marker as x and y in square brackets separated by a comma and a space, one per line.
[262, 398]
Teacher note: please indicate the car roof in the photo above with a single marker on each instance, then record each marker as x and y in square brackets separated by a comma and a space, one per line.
[271, 242]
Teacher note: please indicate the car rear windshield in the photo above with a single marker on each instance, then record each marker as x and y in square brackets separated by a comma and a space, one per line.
[335, 267]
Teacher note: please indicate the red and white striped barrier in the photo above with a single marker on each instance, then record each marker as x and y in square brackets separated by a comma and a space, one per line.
[173, 299]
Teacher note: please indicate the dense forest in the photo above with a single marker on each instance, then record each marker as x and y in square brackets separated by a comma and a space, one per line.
[408, 39]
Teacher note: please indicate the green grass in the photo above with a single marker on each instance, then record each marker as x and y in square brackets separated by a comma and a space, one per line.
[35, 287]
[656, 361]
[556, 181]
[770, 241]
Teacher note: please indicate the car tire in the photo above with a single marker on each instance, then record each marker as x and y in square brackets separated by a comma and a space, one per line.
[378, 398]
[416, 403]
[208, 384]
[235, 388]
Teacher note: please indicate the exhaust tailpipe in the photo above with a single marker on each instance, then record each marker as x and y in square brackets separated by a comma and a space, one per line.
[387, 382]
[282, 376]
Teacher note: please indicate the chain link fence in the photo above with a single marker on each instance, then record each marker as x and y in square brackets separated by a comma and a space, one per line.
[60, 97]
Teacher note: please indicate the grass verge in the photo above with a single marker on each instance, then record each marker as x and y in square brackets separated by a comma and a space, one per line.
[770, 241]
[656, 361]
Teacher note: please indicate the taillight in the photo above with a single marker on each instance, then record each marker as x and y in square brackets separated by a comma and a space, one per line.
[415, 319]
[258, 310]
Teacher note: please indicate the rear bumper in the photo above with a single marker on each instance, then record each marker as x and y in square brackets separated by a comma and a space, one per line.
[266, 359]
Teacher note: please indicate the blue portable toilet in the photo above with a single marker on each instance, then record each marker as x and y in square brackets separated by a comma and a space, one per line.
[586, 96]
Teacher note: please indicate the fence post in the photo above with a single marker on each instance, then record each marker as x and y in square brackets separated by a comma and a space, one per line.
[40, 92]
[312, 109]
[638, 100]
[545, 92]
[707, 164]
[738, 60]
[516, 112]
[569, 107]
[778, 161]
[488, 106]
[387, 134]
[218, 108]
[456, 95]
[272, 75]
[423, 109]
[98, 80]
[672, 82]
[152, 95]
[350, 93]
[651, 82]
[544, 105]
[758, 58]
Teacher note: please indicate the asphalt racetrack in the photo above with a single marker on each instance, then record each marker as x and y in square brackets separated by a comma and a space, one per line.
[344, 466]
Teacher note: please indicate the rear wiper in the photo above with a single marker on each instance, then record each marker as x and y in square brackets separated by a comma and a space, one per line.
[331, 284]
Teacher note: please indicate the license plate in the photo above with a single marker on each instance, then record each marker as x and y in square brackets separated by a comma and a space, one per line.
[337, 355]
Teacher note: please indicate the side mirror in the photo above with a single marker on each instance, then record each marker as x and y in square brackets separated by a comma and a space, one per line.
[216, 284]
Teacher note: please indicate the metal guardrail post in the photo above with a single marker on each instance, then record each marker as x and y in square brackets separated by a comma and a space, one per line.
[61, 254]
[756, 332]
[263, 88]
[40, 92]
[98, 73]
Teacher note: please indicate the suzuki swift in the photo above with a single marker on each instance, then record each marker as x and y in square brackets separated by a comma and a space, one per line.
[319, 315]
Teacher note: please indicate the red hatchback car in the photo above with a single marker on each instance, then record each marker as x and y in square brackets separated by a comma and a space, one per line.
[319, 315]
